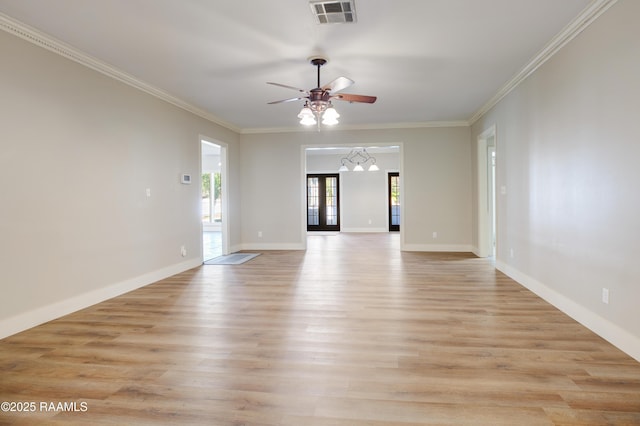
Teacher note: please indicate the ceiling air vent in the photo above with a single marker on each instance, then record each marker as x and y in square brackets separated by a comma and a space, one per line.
[333, 12]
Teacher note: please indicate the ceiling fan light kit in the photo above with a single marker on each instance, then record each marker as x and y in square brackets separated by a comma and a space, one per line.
[317, 106]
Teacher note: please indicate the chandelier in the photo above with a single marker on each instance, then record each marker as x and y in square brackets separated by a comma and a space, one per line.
[359, 157]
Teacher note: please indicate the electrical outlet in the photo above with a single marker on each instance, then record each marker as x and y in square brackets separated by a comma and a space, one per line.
[434, 235]
[605, 295]
[511, 254]
[183, 251]
[148, 192]
[259, 234]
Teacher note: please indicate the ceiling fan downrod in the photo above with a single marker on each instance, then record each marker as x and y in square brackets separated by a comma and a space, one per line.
[318, 62]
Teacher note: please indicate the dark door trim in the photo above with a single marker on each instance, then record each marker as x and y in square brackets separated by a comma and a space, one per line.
[393, 185]
[323, 202]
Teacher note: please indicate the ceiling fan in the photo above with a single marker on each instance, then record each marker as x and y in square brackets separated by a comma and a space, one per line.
[318, 101]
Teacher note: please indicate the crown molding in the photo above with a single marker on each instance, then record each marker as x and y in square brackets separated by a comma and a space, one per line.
[382, 126]
[45, 41]
[568, 33]
[50, 43]
[582, 21]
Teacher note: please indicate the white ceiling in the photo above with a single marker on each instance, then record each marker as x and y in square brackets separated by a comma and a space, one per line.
[426, 60]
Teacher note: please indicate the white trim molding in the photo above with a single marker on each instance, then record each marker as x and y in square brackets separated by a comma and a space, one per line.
[52, 44]
[568, 33]
[29, 319]
[46, 41]
[484, 239]
[381, 126]
[271, 246]
[19, 29]
[365, 230]
[609, 331]
[456, 248]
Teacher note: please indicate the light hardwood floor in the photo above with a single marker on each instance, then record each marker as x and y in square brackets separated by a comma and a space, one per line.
[352, 332]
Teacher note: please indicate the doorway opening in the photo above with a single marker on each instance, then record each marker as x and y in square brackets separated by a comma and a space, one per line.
[363, 205]
[491, 181]
[486, 203]
[213, 200]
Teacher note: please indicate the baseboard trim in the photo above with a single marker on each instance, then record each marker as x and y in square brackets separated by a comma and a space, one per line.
[365, 230]
[34, 317]
[462, 248]
[271, 246]
[604, 328]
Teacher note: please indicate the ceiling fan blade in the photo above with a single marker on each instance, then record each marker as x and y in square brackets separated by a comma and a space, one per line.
[338, 84]
[289, 87]
[355, 98]
[287, 100]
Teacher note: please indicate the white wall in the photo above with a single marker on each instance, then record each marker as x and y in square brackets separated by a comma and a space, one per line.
[270, 193]
[567, 153]
[363, 195]
[437, 187]
[77, 152]
[435, 165]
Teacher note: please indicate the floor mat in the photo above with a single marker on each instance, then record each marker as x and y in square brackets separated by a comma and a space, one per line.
[231, 259]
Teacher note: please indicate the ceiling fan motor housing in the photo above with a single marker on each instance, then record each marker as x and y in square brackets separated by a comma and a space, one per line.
[319, 94]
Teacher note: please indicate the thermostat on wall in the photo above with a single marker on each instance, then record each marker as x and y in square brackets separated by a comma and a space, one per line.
[185, 178]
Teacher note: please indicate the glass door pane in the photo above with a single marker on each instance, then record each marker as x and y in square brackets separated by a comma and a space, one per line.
[323, 202]
[206, 197]
[394, 201]
[331, 200]
[313, 202]
[217, 197]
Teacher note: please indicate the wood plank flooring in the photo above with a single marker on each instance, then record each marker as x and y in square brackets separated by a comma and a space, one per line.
[351, 332]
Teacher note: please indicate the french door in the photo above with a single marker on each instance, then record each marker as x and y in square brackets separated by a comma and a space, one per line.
[323, 202]
[394, 201]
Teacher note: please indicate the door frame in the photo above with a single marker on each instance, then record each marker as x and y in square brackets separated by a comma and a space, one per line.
[393, 228]
[322, 204]
[486, 213]
[224, 174]
[302, 188]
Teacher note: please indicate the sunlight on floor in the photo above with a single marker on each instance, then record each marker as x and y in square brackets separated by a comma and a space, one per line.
[211, 244]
